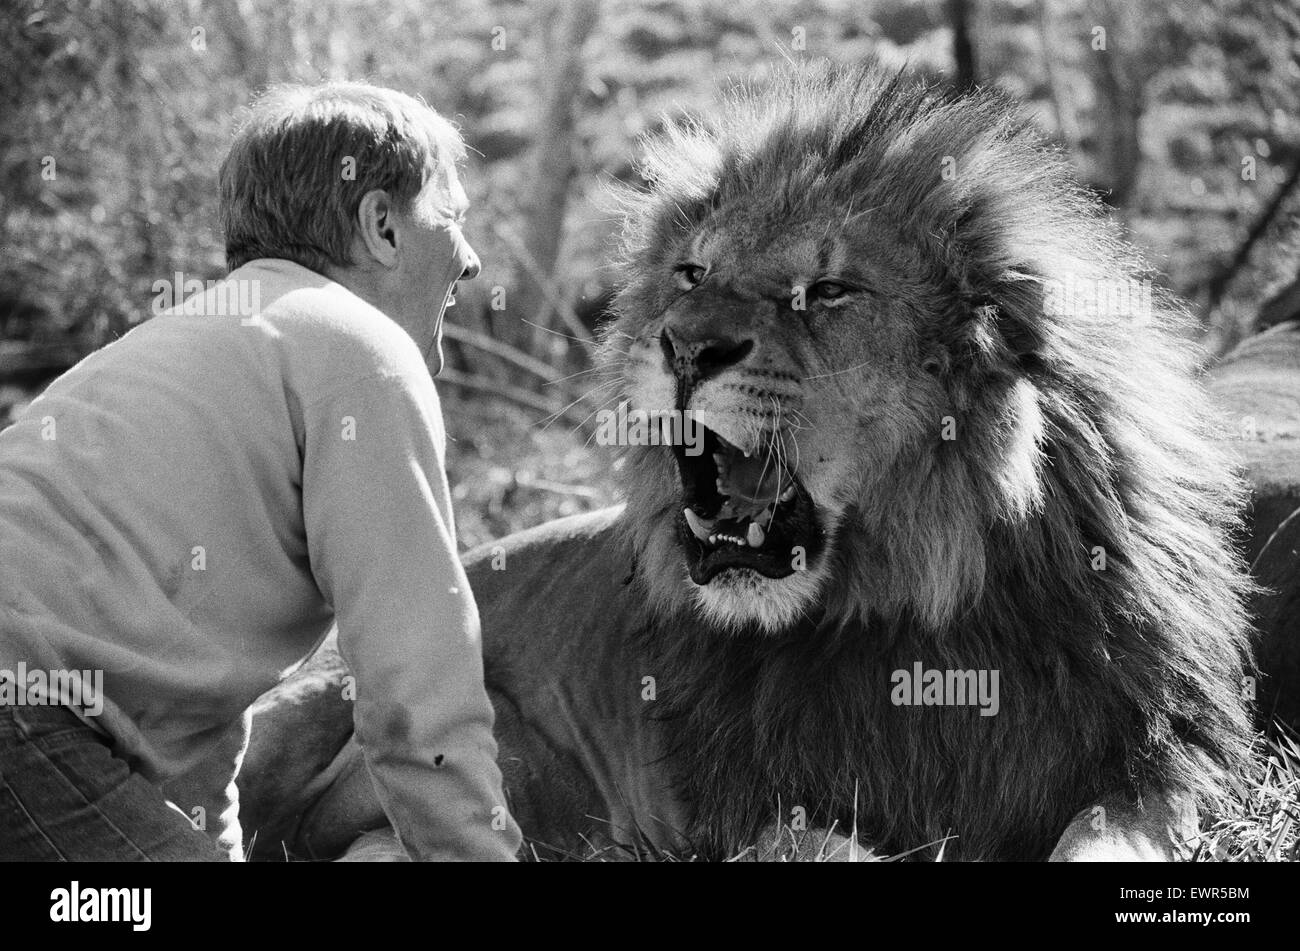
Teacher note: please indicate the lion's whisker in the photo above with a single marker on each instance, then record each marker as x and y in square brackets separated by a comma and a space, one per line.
[599, 367]
[558, 333]
[822, 376]
[546, 423]
[586, 443]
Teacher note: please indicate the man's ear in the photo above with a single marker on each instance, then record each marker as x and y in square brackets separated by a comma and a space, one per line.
[377, 227]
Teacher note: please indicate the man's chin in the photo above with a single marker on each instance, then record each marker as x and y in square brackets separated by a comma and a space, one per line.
[433, 357]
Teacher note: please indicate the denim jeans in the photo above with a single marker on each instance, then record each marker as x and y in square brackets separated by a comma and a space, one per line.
[64, 796]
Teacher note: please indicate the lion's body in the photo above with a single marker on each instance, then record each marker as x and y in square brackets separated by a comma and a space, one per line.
[1257, 386]
[968, 477]
[583, 752]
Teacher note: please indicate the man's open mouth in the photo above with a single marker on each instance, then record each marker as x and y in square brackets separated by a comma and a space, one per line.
[743, 511]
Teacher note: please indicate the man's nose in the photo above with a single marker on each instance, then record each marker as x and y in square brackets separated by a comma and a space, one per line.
[696, 358]
[472, 265]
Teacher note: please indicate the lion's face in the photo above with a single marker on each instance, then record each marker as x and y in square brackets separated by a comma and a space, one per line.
[796, 347]
[843, 279]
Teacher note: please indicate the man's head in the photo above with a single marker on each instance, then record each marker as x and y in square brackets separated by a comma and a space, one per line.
[357, 183]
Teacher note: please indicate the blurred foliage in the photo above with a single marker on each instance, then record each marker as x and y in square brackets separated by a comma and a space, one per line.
[134, 101]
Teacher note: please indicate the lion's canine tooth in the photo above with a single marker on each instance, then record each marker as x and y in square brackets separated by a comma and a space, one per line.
[755, 536]
[696, 524]
[713, 539]
[788, 494]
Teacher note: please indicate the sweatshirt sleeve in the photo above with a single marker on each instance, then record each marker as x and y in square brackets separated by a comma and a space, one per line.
[377, 513]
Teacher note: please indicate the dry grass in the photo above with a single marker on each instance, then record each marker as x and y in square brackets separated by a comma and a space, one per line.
[1259, 822]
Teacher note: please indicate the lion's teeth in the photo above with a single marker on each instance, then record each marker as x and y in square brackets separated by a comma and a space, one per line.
[755, 536]
[696, 524]
[713, 539]
[788, 494]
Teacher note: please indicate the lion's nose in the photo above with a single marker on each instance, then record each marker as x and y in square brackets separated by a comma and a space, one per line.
[699, 359]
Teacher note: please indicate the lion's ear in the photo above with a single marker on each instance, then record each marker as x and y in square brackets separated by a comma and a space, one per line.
[1019, 316]
[1004, 320]
[994, 333]
[1002, 298]
[999, 318]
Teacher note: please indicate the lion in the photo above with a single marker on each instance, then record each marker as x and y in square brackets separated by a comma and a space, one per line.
[951, 437]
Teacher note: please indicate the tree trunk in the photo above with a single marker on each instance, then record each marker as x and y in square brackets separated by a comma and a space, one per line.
[1062, 100]
[566, 25]
[962, 14]
[1120, 100]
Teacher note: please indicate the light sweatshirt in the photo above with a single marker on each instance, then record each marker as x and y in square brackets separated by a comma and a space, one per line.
[189, 509]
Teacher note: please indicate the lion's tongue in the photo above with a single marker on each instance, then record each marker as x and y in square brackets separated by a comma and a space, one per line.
[752, 483]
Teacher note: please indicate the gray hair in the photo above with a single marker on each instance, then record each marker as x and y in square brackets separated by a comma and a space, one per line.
[305, 156]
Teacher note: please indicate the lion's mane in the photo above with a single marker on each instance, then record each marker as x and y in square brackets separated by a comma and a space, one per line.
[1076, 435]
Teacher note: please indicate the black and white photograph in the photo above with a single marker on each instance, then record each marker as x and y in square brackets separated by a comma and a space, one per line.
[650, 431]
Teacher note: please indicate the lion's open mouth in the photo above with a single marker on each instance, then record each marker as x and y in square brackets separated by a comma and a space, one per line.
[743, 510]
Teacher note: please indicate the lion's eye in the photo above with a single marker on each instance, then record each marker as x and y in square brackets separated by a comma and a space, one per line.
[828, 290]
[688, 275]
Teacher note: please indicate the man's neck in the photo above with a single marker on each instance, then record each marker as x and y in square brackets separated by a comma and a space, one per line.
[361, 282]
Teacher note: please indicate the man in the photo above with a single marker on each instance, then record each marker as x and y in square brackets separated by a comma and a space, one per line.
[185, 513]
